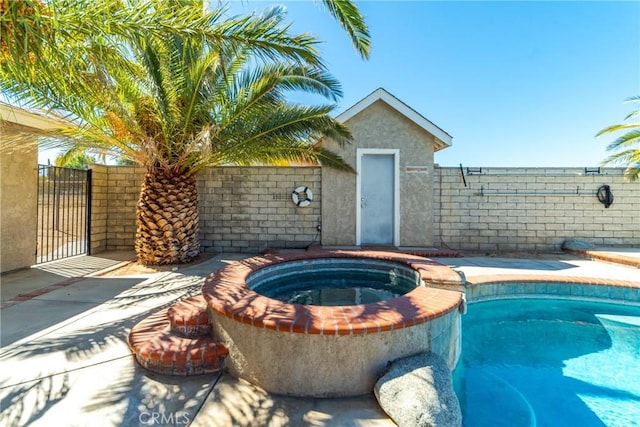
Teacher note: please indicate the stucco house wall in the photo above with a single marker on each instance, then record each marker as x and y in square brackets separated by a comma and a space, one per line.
[380, 125]
[18, 184]
[18, 202]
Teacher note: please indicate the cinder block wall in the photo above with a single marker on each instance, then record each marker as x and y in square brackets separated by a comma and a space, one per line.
[242, 209]
[249, 209]
[532, 209]
[99, 207]
[124, 190]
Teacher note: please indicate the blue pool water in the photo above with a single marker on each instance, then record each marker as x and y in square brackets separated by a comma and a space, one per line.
[547, 362]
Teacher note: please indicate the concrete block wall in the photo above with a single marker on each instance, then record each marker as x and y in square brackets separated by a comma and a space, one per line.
[99, 207]
[249, 209]
[115, 191]
[532, 209]
[124, 189]
[242, 209]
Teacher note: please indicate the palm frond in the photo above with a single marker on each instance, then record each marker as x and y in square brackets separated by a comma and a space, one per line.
[266, 38]
[632, 115]
[628, 143]
[312, 80]
[630, 159]
[328, 158]
[286, 154]
[179, 102]
[615, 128]
[351, 20]
[626, 140]
[283, 128]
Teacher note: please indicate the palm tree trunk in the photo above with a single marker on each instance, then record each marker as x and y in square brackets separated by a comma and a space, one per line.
[167, 219]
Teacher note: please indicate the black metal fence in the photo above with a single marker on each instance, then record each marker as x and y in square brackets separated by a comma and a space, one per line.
[64, 213]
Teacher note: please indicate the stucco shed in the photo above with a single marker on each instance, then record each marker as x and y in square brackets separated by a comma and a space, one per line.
[389, 200]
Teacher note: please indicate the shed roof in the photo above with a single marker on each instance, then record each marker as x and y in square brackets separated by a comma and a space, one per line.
[442, 138]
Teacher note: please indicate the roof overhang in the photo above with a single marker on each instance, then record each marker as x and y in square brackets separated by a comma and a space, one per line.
[442, 139]
[27, 118]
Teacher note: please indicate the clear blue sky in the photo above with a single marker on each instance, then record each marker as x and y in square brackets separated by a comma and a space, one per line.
[515, 83]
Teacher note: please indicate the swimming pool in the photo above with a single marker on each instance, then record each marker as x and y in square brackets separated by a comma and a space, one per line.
[549, 362]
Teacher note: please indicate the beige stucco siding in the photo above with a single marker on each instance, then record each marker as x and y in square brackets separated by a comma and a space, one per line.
[381, 126]
[18, 203]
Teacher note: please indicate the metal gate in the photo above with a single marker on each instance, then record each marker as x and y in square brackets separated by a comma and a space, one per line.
[64, 213]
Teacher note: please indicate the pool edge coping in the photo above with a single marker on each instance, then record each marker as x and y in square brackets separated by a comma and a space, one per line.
[545, 286]
[535, 278]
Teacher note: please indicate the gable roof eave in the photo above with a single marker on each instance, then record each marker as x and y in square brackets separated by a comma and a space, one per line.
[32, 119]
[442, 138]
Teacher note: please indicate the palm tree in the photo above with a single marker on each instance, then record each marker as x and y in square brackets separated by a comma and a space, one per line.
[176, 102]
[627, 146]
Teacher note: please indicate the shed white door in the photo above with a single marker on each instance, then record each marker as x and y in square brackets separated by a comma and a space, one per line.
[377, 199]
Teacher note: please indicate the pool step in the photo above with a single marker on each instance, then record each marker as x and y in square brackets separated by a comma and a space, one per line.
[176, 341]
[189, 317]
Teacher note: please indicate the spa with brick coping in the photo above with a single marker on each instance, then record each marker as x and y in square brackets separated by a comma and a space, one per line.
[310, 350]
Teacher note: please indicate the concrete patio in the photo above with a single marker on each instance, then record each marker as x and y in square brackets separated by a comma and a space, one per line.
[65, 359]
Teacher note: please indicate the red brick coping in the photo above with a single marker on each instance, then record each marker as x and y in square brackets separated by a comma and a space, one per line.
[544, 278]
[176, 341]
[483, 287]
[189, 318]
[607, 257]
[226, 292]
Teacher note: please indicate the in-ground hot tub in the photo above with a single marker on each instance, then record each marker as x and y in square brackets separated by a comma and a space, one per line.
[292, 334]
[334, 281]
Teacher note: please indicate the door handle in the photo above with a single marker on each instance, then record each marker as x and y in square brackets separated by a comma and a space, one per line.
[362, 202]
